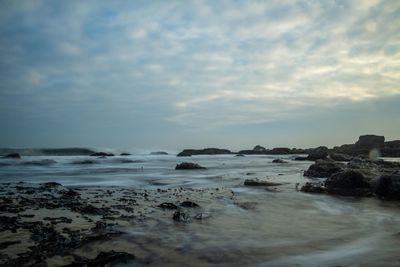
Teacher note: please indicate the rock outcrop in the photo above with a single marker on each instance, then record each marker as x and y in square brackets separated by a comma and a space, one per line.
[189, 166]
[348, 183]
[12, 156]
[205, 151]
[388, 187]
[323, 169]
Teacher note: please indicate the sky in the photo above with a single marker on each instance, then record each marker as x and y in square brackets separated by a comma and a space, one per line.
[193, 74]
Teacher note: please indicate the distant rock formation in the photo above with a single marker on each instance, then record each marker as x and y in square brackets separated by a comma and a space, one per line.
[47, 151]
[205, 151]
[159, 153]
[12, 156]
[101, 154]
[369, 143]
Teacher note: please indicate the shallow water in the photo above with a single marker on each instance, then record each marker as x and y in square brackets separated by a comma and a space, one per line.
[254, 227]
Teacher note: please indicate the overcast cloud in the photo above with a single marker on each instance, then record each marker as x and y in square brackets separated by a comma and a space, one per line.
[175, 74]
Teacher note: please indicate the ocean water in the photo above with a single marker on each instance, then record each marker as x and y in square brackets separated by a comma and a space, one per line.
[282, 227]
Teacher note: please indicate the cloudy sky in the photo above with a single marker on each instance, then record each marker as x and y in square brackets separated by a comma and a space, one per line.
[175, 74]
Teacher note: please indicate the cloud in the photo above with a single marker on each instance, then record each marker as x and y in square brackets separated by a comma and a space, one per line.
[203, 63]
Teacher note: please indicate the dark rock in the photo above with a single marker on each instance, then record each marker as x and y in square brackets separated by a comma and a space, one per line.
[318, 153]
[6, 244]
[366, 143]
[84, 162]
[202, 216]
[323, 168]
[189, 204]
[301, 158]
[239, 155]
[279, 161]
[43, 162]
[100, 154]
[280, 151]
[391, 149]
[205, 151]
[348, 183]
[259, 148]
[12, 156]
[124, 154]
[257, 182]
[388, 187]
[313, 188]
[109, 258]
[159, 153]
[168, 205]
[180, 217]
[188, 166]
[340, 157]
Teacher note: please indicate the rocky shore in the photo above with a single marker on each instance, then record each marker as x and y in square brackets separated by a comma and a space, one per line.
[52, 225]
[365, 145]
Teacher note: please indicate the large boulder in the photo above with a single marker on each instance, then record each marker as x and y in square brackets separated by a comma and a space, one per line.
[188, 166]
[388, 187]
[348, 183]
[318, 153]
[323, 169]
[366, 143]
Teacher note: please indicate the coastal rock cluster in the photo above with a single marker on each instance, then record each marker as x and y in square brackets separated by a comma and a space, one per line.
[360, 177]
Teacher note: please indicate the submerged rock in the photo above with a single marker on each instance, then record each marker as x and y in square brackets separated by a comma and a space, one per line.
[239, 155]
[257, 182]
[189, 204]
[159, 153]
[279, 161]
[124, 154]
[168, 205]
[313, 188]
[180, 216]
[101, 154]
[348, 183]
[189, 166]
[323, 169]
[12, 156]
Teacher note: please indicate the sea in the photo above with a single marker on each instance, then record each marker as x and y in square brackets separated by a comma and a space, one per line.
[284, 227]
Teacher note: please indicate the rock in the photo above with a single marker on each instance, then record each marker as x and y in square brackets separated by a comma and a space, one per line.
[239, 155]
[180, 217]
[257, 182]
[279, 161]
[391, 149]
[101, 154]
[189, 204]
[313, 188]
[318, 153]
[202, 216]
[323, 168]
[340, 157]
[259, 148]
[159, 153]
[109, 258]
[388, 187]
[124, 154]
[205, 151]
[280, 151]
[301, 158]
[168, 205]
[12, 156]
[348, 183]
[84, 162]
[189, 166]
[366, 143]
